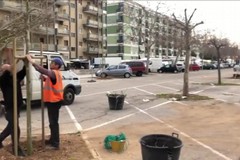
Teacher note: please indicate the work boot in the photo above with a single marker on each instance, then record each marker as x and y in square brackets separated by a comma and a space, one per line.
[52, 147]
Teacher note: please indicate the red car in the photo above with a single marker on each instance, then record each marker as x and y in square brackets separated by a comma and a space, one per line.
[194, 67]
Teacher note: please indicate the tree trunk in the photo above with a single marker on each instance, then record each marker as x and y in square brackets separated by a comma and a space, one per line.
[148, 56]
[219, 70]
[186, 72]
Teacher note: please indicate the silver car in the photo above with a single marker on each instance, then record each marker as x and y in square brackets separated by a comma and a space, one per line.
[115, 70]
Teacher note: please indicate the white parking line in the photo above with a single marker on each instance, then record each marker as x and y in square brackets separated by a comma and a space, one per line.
[129, 115]
[77, 125]
[184, 134]
[170, 88]
[144, 91]
[229, 93]
[86, 95]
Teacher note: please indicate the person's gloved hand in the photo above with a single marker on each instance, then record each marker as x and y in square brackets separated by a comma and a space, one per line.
[5, 67]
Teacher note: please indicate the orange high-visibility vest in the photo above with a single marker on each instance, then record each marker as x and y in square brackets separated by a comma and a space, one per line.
[53, 93]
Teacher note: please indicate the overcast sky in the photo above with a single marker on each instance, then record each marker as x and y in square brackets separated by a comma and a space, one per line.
[221, 17]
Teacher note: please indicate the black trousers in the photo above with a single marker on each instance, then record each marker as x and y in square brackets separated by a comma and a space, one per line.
[9, 129]
[53, 116]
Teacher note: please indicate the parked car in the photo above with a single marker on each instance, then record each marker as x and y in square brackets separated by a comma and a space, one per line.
[137, 66]
[236, 68]
[180, 67]
[115, 70]
[194, 67]
[209, 66]
[168, 68]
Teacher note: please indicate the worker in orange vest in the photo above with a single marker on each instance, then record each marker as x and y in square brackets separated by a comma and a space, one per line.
[52, 97]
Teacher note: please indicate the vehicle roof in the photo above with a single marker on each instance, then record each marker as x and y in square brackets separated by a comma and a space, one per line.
[45, 53]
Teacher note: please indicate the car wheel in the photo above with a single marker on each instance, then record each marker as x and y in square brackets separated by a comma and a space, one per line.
[159, 71]
[127, 75]
[139, 74]
[103, 75]
[68, 96]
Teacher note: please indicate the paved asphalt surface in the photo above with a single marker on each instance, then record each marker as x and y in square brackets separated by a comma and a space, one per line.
[90, 112]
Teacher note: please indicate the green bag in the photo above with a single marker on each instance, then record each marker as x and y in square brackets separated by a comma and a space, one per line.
[109, 138]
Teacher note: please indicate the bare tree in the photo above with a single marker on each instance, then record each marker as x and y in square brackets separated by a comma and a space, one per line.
[29, 15]
[146, 28]
[218, 43]
[187, 28]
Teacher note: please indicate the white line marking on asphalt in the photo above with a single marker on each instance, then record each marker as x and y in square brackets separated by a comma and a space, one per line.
[229, 93]
[77, 125]
[223, 100]
[129, 115]
[184, 134]
[144, 91]
[119, 89]
[109, 122]
[170, 88]
[168, 125]
[196, 92]
[184, 104]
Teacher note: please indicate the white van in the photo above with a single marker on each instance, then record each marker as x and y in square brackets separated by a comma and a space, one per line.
[71, 81]
[154, 64]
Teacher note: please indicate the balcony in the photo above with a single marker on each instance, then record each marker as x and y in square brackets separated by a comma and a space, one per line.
[46, 47]
[93, 24]
[120, 40]
[62, 31]
[61, 2]
[91, 50]
[61, 16]
[120, 20]
[92, 37]
[62, 48]
[91, 10]
[44, 30]
[10, 6]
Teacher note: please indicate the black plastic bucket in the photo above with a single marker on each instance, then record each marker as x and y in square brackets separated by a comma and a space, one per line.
[161, 147]
[116, 101]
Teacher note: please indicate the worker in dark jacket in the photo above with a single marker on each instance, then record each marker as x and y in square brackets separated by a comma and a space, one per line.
[6, 85]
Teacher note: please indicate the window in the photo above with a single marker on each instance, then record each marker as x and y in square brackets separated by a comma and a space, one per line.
[73, 34]
[72, 5]
[42, 40]
[122, 67]
[73, 20]
[65, 43]
[72, 48]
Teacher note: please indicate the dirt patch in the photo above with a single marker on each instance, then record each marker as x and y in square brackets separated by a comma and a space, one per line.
[179, 97]
[73, 147]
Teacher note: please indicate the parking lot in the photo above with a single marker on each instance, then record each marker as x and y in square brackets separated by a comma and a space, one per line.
[205, 127]
[208, 129]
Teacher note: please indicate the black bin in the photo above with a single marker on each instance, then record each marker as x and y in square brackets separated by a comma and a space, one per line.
[161, 147]
[116, 101]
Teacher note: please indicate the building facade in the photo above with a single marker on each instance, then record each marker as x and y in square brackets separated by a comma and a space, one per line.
[135, 31]
[76, 29]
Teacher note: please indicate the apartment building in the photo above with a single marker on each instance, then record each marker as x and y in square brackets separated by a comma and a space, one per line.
[92, 39]
[76, 30]
[131, 27]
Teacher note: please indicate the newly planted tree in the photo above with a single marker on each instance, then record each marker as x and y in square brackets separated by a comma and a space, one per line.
[187, 28]
[218, 43]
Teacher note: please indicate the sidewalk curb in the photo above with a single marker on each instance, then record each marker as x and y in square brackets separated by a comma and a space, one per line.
[94, 153]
